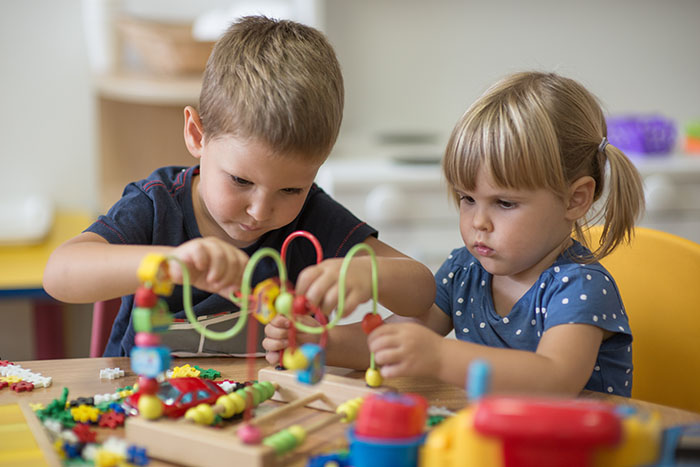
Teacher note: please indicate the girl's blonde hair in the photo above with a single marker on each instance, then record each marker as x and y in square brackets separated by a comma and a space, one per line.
[540, 130]
[277, 81]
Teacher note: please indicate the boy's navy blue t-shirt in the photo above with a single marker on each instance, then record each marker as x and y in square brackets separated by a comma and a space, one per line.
[158, 211]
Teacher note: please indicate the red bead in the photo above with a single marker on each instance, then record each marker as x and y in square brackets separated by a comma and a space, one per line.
[370, 322]
[146, 339]
[147, 385]
[300, 305]
[145, 298]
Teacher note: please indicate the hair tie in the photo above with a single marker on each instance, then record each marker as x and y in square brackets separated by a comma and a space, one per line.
[603, 145]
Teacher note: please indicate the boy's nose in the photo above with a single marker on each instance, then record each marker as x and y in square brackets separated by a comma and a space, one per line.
[260, 208]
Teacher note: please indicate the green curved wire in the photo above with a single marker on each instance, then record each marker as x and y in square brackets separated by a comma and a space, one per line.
[244, 301]
[245, 291]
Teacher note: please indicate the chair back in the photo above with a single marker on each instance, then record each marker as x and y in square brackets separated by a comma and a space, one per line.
[103, 315]
[658, 275]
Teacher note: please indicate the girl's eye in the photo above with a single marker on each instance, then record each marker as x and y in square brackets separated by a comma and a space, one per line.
[240, 181]
[466, 199]
[506, 204]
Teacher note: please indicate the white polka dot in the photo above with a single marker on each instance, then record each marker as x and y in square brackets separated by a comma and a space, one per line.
[462, 284]
[537, 310]
[472, 315]
[627, 383]
[506, 320]
[471, 264]
[449, 257]
[518, 332]
[483, 283]
[610, 389]
[627, 371]
[565, 279]
[533, 322]
[621, 328]
[565, 301]
[556, 269]
[460, 300]
[583, 296]
[471, 300]
[451, 275]
[544, 310]
[607, 278]
[444, 281]
[539, 334]
[597, 368]
[465, 330]
[542, 285]
[458, 312]
[482, 325]
[595, 318]
[605, 316]
[605, 291]
[588, 276]
[614, 316]
[629, 349]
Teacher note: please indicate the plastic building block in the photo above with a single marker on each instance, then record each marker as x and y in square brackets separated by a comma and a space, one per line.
[111, 419]
[111, 373]
[84, 433]
[22, 386]
[392, 416]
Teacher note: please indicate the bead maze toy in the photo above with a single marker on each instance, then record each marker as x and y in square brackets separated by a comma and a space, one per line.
[254, 440]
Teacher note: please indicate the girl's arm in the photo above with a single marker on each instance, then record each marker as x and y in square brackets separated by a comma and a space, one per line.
[562, 364]
[406, 286]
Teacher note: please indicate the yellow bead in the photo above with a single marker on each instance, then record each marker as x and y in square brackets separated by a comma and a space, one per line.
[150, 407]
[203, 414]
[373, 378]
[298, 432]
[294, 359]
[228, 406]
[154, 270]
[238, 402]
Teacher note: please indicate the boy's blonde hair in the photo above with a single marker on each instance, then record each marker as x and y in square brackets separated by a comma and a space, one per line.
[540, 130]
[276, 81]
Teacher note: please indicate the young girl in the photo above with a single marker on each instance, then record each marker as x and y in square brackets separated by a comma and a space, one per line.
[525, 163]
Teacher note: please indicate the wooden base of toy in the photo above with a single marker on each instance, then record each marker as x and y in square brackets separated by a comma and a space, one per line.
[181, 442]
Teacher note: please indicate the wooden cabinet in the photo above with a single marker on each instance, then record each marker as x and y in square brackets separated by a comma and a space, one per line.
[140, 128]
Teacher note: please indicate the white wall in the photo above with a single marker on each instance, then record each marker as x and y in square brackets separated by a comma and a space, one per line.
[409, 65]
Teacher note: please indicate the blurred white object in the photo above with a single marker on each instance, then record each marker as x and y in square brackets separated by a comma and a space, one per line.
[100, 34]
[212, 24]
[25, 220]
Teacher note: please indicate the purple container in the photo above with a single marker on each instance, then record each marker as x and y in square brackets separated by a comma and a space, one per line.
[642, 135]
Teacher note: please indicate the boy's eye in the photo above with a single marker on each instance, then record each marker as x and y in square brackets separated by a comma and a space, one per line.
[240, 181]
[506, 204]
[291, 191]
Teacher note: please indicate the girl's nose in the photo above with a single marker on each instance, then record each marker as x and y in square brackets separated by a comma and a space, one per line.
[481, 220]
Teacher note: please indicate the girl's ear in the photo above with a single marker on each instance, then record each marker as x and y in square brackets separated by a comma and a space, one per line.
[194, 132]
[580, 198]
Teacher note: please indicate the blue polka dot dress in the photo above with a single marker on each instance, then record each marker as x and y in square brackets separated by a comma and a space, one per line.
[567, 292]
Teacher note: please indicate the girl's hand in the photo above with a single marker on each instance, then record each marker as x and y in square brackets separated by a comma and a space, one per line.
[319, 284]
[277, 336]
[406, 349]
[213, 264]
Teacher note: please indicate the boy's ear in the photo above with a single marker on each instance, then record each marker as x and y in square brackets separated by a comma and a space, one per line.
[194, 132]
[580, 198]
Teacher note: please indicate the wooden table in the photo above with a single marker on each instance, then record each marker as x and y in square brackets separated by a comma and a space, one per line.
[81, 376]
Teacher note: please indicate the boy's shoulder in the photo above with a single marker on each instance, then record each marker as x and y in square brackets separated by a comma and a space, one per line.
[170, 178]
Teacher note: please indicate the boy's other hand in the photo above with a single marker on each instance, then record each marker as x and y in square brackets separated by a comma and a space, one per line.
[213, 265]
[319, 283]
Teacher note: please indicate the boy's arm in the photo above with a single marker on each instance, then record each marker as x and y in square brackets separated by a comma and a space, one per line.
[87, 269]
[406, 287]
[562, 364]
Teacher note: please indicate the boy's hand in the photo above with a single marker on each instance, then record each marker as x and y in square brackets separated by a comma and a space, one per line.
[277, 336]
[406, 349]
[319, 283]
[213, 264]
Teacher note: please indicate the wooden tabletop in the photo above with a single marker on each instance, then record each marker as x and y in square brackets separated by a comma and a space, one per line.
[82, 378]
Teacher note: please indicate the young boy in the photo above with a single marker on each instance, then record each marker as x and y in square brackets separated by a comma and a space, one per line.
[270, 110]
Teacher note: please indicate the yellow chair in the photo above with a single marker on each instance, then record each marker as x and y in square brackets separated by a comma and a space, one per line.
[658, 276]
